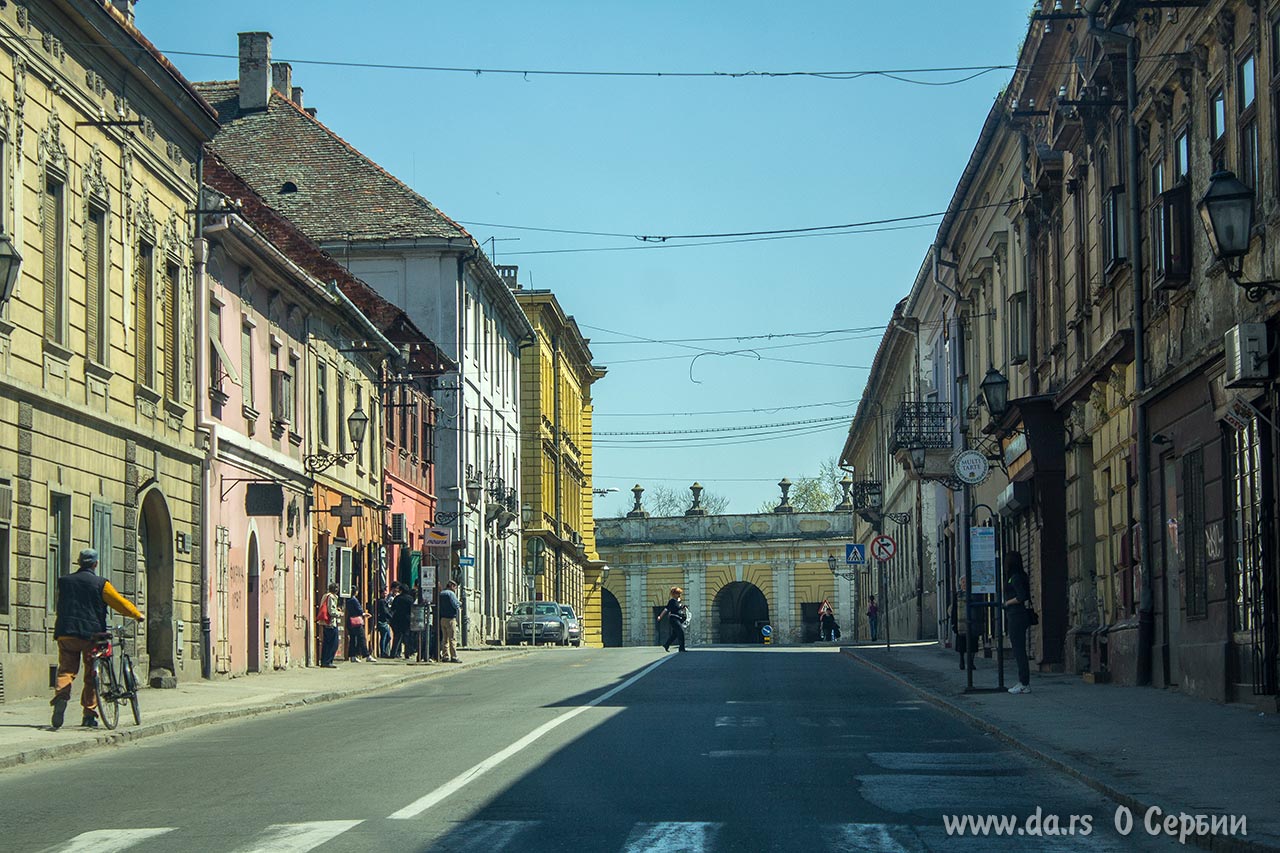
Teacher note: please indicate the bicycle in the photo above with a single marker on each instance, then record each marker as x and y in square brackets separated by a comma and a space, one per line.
[113, 684]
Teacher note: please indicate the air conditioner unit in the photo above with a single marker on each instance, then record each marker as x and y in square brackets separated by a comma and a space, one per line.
[1248, 362]
[399, 535]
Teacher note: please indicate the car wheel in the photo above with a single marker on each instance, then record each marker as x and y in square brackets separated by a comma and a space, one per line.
[577, 643]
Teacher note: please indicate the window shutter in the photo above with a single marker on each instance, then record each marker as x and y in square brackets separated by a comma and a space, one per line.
[246, 364]
[170, 314]
[142, 308]
[51, 262]
[93, 289]
[280, 397]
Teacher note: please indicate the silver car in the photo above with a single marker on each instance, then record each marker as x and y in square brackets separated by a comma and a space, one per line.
[573, 625]
[536, 622]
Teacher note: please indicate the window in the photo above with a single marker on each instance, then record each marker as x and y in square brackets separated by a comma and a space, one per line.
[246, 366]
[1172, 221]
[6, 514]
[281, 397]
[58, 558]
[55, 238]
[96, 307]
[1019, 329]
[342, 413]
[1182, 157]
[1246, 81]
[411, 411]
[1217, 128]
[428, 437]
[102, 542]
[291, 387]
[172, 311]
[371, 437]
[144, 299]
[1114, 221]
[1246, 107]
[322, 401]
[1157, 227]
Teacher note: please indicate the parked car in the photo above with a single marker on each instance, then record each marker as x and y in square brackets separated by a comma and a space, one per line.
[573, 625]
[536, 622]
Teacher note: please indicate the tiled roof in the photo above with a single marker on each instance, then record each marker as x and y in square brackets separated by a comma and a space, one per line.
[331, 190]
[394, 323]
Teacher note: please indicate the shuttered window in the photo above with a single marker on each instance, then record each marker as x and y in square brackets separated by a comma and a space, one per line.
[322, 402]
[170, 320]
[95, 292]
[54, 261]
[143, 299]
[102, 543]
[246, 364]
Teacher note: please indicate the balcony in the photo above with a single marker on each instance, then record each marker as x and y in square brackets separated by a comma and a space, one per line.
[917, 424]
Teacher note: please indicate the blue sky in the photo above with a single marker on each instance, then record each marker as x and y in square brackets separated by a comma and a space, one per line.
[664, 156]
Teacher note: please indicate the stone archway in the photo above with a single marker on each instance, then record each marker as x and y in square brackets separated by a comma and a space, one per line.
[155, 564]
[610, 620]
[252, 599]
[738, 611]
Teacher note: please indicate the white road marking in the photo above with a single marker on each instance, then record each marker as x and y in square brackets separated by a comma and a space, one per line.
[671, 837]
[298, 837]
[740, 722]
[465, 778]
[923, 794]
[874, 838]
[109, 840]
[737, 753]
[972, 761]
[483, 836]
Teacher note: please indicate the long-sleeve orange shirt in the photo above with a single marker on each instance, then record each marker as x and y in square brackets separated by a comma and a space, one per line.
[118, 602]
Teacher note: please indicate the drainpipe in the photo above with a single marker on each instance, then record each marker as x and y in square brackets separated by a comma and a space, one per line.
[555, 439]
[205, 426]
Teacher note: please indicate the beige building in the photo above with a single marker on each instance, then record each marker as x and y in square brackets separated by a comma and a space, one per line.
[556, 376]
[100, 142]
[739, 573]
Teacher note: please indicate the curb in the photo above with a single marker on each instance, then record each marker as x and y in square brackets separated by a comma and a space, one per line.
[146, 730]
[1217, 844]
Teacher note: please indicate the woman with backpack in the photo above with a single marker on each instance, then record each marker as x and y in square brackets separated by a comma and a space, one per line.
[328, 620]
[679, 616]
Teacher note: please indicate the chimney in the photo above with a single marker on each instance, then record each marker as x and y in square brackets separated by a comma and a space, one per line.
[282, 78]
[125, 7]
[296, 96]
[255, 71]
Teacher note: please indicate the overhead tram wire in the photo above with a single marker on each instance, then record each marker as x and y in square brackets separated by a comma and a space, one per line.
[773, 410]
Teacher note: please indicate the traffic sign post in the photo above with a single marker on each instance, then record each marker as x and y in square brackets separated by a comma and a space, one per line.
[766, 631]
[883, 547]
[855, 554]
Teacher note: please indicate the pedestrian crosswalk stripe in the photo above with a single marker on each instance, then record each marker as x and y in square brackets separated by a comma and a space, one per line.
[671, 837]
[109, 840]
[298, 837]
[874, 838]
[483, 836]
[941, 761]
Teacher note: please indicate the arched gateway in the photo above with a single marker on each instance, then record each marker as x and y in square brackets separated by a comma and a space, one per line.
[738, 611]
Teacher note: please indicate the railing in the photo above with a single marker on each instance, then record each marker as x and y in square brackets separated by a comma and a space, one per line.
[917, 424]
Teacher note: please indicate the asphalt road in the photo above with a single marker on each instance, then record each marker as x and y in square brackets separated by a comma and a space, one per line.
[582, 750]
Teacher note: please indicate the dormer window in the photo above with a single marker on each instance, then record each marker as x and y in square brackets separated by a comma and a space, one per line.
[288, 187]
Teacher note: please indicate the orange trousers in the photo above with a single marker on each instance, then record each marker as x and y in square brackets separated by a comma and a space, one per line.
[71, 651]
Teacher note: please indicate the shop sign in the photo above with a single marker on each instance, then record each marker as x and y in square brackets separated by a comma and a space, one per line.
[1015, 446]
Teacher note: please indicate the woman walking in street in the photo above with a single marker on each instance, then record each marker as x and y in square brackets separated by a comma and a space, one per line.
[827, 621]
[1017, 615]
[357, 641]
[674, 612]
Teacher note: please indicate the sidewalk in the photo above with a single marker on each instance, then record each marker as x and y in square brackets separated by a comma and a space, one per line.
[1139, 746]
[25, 736]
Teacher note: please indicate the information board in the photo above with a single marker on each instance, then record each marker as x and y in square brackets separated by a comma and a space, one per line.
[982, 559]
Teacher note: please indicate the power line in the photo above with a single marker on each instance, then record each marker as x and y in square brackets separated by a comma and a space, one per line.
[771, 410]
[739, 428]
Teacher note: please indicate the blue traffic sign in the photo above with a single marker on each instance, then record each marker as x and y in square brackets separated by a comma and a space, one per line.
[855, 555]
[766, 630]
[466, 561]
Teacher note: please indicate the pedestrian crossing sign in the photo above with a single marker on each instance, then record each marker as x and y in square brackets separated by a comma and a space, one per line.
[855, 554]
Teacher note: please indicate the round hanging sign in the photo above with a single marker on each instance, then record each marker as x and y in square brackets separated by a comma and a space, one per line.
[970, 467]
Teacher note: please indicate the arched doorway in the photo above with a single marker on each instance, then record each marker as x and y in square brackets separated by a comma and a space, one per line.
[740, 608]
[253, 616]
[610, 620]
[155, 564]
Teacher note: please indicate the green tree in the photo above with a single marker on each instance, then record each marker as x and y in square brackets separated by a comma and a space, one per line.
[820, 493]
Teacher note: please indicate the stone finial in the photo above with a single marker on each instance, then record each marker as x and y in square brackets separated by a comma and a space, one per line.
[697, 508]
[637, 511]
[785, 505]
[846, 499]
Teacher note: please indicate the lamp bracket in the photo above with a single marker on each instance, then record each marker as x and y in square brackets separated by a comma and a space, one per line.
[1254, 291]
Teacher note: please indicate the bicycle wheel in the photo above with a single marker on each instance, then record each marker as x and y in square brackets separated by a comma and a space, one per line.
[104, 682]
[131, 685]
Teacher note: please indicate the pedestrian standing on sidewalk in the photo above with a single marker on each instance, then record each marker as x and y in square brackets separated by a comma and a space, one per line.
[873, 616]
[450, 609]
[676, 615]
[827, 621]
[83, 599]
[328, 617]
[401, 610]
[384, 625]
[1017, 615]
[357, 642]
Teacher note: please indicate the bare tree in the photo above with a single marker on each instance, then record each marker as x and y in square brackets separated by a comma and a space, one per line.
[664, 500]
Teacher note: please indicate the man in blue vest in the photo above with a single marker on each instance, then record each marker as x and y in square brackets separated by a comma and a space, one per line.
[450, 610]
[83, 598]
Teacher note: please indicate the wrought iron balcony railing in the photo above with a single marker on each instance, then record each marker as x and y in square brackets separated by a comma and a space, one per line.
[921, 424]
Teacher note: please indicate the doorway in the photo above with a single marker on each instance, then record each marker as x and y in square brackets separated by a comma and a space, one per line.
[740, 610]
[155, 554]
[610, 620]
[252, 608]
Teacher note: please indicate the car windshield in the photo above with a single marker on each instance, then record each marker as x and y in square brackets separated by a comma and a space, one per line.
[531, 608]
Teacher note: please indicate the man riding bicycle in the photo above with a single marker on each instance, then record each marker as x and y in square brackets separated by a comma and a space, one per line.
[83, 598]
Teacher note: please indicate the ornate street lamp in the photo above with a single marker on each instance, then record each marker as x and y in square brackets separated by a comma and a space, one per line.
[526, 514]
[10, 264]
[474, 489]
[1227, 214]
[833, 563]
[995, 390]
[357, 424]
[918, 454]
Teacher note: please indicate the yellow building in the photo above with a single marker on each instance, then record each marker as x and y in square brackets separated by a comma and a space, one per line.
[100, 142]
[556, 375]
[739, 573]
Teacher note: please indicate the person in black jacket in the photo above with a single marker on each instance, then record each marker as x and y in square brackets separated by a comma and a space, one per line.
[83, 599]
[674, 612]
[1017, 615]
[384, 624]
[401, 608]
